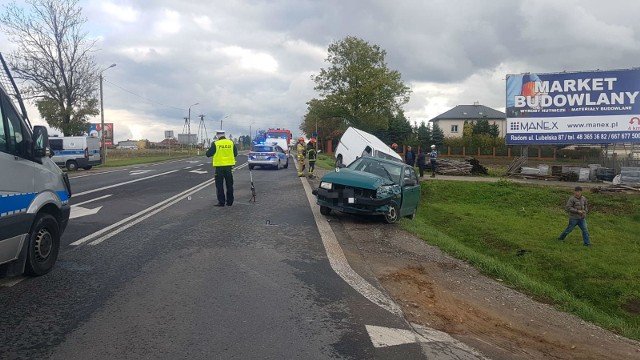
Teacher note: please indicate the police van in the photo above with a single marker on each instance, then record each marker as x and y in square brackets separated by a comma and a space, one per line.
[34, 192]
[73, 152]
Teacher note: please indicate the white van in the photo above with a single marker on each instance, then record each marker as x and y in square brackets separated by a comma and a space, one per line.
[355, 143]
[73, 152]
[34, 193]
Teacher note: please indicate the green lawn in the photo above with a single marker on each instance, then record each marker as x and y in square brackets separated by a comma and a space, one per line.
[143, 156]
[325, 162]
[487, 224]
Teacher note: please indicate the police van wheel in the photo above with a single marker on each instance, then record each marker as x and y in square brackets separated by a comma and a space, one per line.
[325, 210]
[72, 165]
[251, 167]
[286, 165]
[44, 243]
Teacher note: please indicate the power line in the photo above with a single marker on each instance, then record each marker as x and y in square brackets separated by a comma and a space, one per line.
[142, 97]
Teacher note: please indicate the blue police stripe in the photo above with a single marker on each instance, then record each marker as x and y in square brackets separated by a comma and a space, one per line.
[15, 203]
[69, 152]
[64, 196]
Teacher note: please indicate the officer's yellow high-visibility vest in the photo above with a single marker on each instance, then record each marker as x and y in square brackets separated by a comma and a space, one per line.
[224, 153]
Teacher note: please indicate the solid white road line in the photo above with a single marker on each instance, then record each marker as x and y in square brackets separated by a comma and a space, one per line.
[138, 214]
[123, 183]
[339, 263]
[92, 200]
[144, 217]
[144, 214]
[98, 173]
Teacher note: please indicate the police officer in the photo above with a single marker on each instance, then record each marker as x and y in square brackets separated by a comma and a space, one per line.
[311, 155]
[224, 154]
[433, 158]
[301, 151]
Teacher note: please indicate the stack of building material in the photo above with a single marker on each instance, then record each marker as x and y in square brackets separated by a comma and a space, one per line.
[453, 167]
[516, 164]
[630, 175]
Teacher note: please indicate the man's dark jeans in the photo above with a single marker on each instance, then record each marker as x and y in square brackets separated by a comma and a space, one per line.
[582, 224]
[224, 174]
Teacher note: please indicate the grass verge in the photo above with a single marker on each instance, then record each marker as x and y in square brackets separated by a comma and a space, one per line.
[134, 157]
[325, 162]
[488, 224]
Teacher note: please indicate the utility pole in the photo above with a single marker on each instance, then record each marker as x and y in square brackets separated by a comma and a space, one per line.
[189, 126]
[103, 144]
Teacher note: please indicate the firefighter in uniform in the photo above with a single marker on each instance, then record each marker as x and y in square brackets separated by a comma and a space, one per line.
[301, 151]
[311, 155]
[224, 154]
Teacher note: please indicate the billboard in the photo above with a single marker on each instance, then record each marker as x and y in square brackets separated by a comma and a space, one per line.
[187, 139]
[574, 108]
[95, 130]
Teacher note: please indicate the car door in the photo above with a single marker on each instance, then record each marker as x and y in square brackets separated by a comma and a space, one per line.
[16, 181]
[410, 191]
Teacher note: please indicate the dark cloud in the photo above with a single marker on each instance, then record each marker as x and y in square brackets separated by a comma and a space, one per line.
[252, 60]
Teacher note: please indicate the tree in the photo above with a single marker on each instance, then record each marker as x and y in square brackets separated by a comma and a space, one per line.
[494, 131]
[424, 135]
[54, 58]
[437, 135]
[481, 127]
[399, 130]
[358, 87]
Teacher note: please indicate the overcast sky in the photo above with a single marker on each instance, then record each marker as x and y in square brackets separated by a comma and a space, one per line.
[251, 61]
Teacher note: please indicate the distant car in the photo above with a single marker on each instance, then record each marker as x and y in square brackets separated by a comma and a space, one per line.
[371, 186]
[272, 156]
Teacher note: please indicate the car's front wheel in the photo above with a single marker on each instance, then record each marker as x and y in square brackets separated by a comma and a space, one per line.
[325, 210]
[44, 243]
[393, 214]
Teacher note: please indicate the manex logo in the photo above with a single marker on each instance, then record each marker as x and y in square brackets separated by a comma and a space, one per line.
[533, 125]
[634, 123]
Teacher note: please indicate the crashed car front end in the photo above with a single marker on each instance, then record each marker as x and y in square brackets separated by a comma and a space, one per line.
[357, 193]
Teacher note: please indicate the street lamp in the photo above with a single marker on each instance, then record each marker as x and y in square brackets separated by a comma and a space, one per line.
[104, 145]
[223, 119]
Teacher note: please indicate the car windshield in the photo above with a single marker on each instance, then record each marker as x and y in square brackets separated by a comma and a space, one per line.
[380, 168]
[263, 148]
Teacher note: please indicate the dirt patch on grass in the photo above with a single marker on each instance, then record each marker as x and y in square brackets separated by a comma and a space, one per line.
[632, 306]
[440, 292]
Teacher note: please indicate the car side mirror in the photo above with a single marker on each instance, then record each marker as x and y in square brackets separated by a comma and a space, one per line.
[40, 142]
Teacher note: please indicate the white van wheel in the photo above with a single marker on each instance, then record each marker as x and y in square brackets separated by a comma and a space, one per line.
[44, 243]
[72, 165]
[339, 161]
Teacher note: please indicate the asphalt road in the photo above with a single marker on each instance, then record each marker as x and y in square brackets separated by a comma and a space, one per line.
[149, 268]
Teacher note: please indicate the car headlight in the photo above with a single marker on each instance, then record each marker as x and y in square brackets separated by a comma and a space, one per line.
[326, 185]
[386, 191]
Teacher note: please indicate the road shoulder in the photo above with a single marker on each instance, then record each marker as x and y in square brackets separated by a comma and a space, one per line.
[441, 292]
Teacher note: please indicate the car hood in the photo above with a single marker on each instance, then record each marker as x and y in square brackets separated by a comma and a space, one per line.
[355, 178]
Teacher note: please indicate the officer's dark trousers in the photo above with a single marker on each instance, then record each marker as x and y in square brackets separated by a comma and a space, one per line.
[224, 174]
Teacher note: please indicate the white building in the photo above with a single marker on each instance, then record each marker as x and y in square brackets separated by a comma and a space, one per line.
[452, 121]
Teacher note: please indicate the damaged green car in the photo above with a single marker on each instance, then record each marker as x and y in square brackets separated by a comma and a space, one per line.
[371, 186]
